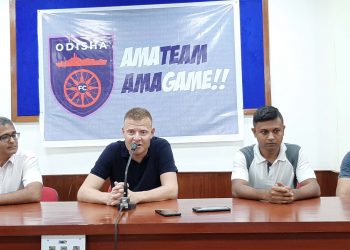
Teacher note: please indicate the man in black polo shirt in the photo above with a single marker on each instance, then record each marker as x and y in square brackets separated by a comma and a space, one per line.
[152, 171]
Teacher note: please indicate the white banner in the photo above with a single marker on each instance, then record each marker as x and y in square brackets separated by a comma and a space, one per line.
[180, 61]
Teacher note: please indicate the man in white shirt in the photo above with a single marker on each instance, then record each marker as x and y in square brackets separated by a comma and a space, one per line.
[271, 170]
[20, 178]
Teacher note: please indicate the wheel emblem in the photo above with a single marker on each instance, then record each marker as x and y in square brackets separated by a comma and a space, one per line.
[82, 88]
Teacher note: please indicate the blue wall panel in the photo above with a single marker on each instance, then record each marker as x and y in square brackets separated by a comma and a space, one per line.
[27, 48]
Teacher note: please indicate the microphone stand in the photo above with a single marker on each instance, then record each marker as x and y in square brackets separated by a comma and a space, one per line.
[125, 203]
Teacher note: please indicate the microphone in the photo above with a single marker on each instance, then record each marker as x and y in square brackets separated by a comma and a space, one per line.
[125, 203]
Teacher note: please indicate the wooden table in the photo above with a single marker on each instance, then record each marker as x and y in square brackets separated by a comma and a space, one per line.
[322, 223]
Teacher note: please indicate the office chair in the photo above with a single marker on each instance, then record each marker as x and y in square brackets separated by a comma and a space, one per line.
[49, 194]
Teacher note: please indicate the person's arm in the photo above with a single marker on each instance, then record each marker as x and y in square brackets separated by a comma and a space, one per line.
[90, 192]
[30, 193]
[168, 190]
[308, 185]
[277, 194]
[343, 187]
[309, 188]
[241, 189]
[31, 180]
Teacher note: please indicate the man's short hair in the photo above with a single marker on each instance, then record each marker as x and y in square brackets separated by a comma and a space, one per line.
[266, 113]
[138, 114]
[4, 121]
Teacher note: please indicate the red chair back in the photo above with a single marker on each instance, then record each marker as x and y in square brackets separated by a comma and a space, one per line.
[49, 194]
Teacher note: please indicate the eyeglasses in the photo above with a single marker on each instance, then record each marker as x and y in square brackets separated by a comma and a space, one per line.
[7, 137]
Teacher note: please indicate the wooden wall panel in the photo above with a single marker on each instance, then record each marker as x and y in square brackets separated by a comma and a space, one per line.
[328, 182]
[204, 185]
[191, 184]
[66, 185]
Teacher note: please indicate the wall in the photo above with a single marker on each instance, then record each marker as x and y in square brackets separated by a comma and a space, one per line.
[340, 14]
[308, 61]
[302, 76]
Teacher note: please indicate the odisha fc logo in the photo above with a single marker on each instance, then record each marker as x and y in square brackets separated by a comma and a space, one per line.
[81, 72]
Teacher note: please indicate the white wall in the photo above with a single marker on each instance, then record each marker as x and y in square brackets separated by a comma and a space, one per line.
[309, 42]
[340, 14]
[308, 52]
[303, 75]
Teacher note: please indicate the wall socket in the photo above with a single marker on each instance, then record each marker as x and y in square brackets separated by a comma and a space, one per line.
[63, 242]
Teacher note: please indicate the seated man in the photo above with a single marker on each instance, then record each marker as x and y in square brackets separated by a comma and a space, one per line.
[152, 174]
[270, 170]
[343, 186]
[20, 181]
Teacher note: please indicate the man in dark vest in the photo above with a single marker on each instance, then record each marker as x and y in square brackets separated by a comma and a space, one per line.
[271, 170]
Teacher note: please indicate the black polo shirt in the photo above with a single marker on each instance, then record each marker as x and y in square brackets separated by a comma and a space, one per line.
[141, 176]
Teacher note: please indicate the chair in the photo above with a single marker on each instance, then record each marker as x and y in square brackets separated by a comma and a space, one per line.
[49, 194]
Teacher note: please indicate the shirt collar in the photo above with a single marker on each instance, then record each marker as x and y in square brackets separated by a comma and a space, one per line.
[125, 151]
[260, 159]
[10, 160]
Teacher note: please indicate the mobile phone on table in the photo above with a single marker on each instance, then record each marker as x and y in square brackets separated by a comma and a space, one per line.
[211, 209]
[167, 212]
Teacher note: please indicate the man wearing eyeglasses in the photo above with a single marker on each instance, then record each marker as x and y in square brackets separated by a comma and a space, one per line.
[20, 178]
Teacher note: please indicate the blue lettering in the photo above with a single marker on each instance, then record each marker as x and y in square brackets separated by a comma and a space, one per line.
[182, 55]
[128, 83]
[199, 52]
[164, 50]
[156, 82]
[185, 54]
[173, 54]
[142, 83]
